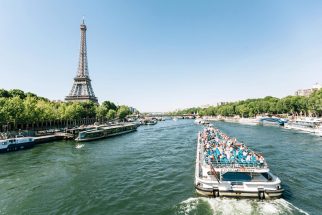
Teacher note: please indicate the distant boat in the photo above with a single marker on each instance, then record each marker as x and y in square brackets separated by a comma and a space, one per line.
[17, 143]
[148, 121]
[102, 132]
[274, 121]
[308, 125]
[151, 122]
[201, 122]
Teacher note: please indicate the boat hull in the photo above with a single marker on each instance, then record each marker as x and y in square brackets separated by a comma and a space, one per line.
[16, 147]
[104, 136]
[268, 194]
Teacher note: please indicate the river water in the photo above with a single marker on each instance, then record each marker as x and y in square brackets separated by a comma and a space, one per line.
[151, 171]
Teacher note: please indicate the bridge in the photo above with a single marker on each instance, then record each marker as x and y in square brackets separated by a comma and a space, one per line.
[170, 115]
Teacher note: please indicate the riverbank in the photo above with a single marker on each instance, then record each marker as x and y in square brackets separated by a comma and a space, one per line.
[17, 141]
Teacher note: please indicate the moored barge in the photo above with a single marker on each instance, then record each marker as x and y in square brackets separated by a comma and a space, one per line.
[102, 131]
[225, 167]
[16, 143]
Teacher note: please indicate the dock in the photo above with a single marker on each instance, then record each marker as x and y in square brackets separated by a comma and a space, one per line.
[53, 137]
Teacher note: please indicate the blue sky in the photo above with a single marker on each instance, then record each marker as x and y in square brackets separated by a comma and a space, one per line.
[165, 54]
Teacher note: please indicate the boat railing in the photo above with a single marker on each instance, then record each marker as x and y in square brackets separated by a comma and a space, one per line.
[240, 164]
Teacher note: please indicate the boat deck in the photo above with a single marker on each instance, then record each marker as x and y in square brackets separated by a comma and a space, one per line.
[221, 151]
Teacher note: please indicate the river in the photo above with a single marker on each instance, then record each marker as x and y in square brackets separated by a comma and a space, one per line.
[151, 171]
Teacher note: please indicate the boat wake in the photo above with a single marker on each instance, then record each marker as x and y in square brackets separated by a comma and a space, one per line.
[79, 146]
[223, 206]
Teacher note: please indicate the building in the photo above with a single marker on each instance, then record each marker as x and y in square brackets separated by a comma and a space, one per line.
[307, 92]
[222, 103]
[133, 110]
[82, 88]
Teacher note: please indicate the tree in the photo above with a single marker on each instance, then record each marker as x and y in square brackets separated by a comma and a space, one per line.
[13, 110]
[109, 105]
[74, 111]
[123, 111]
[4, 93]
[17, 93]
[111, 114]
[101, 111]
[242, 110]
[31, 113]
[19, 107]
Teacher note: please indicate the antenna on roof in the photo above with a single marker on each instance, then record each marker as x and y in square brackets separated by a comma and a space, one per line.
[83, 20]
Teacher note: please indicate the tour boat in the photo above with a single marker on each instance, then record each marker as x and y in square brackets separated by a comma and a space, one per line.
[151, 122]
[201, 122]
[309, 125]
[148, 121]
[17, 143]
[272, 121]
[101, 132]
[232, 175]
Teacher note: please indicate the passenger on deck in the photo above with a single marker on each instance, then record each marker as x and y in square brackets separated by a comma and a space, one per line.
[219, 147]
[248, 158]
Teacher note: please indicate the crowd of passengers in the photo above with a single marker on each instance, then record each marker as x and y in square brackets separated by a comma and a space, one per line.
[220, 148]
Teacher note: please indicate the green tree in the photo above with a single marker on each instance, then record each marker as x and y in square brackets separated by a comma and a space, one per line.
[109, 105]
[17, 93]
[123, 111]
[4, 93]
[111, 114]
[14, 109]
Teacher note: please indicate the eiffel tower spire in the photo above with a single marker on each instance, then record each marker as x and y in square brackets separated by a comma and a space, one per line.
[82, 88]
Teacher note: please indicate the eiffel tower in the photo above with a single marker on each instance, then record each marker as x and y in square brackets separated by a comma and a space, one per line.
[82, 88]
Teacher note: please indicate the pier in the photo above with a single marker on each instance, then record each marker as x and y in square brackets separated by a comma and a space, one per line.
[53, 137]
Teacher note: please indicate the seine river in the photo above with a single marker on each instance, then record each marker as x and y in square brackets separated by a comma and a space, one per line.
[151, 171]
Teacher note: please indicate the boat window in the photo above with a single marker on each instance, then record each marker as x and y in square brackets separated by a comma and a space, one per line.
[237, 176]
[267, 176]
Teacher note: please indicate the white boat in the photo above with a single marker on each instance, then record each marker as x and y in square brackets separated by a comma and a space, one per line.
[17, 143]
[308, 125]
[236, 176]
[149, 121]
[201, 122]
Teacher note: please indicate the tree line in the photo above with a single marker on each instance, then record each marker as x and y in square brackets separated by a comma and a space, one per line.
[290, 105]
[16, 106]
